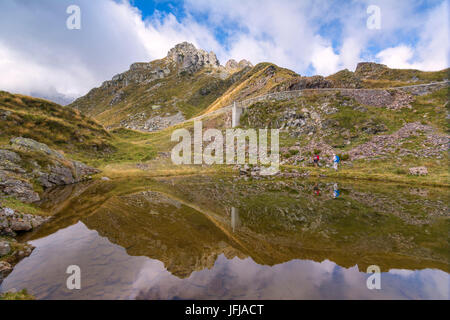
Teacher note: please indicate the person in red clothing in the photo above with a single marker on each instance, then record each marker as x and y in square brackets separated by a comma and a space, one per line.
[316, 160]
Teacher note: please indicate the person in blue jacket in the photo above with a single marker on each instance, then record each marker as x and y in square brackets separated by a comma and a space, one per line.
[335, 161]
[336, 191]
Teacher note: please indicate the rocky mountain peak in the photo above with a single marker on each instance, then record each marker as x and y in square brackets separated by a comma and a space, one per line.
[233, 64]
[190, 59]
[365, 70]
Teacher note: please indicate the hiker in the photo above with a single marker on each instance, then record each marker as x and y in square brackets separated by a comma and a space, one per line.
[316, 190]
[316, 160]
[336, 160]
[336, 191]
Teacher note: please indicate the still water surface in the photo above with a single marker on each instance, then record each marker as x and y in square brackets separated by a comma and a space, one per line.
[196, 239]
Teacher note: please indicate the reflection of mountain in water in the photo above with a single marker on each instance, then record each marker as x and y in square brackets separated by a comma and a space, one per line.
[188, 223]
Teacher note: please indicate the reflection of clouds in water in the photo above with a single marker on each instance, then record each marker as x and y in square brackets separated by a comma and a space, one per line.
[433, 283]
[106, 269]
[296, 279]
[401, 272]
[108, 272]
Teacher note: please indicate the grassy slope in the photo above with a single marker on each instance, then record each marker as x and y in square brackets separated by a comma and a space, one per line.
[260, 80]
[60, 128]
[188, 93]
[348, 124]
[67, 130]
[386, 78]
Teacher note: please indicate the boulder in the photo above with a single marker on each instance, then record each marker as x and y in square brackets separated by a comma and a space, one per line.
[32, 145]
[82, 170]
[418, 171]
[10, 161]
[15, 186]
[5, 248]
[12, 221]
[20, 225]
[15, 180]
[7, 155]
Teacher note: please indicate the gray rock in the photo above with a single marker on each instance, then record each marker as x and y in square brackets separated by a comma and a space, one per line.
[60, 175]
[7, 155]
[8, 212]
[10, 161]
[20, 225]
[231, 64]
[82, 170]
[5, 248]
[190, 59]
[418, 171]
[32, 145]
[5, 269]
[14, 186]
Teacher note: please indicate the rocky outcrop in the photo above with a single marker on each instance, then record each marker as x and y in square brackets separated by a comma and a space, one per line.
[233, 66]
[190, 59]
[5, 248]
[138, 122]
[369, 70]
[12, 221]
[418, 171]
[314, 82]
[31, 145]
[26, 162]
[13, 185]
[393, 99]
[382, 145]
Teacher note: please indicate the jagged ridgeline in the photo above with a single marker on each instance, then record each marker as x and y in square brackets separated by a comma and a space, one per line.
[155, 95]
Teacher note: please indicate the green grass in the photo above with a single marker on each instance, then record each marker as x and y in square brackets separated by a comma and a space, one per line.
[188, 93]
[19, 206]
[59, 127]
[19, 295]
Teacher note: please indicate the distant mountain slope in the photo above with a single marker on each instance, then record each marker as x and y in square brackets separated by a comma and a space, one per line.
[154, 95]
[374, 75]
[189, 81]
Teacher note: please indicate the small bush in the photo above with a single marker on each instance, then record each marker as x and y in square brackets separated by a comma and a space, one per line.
[344, 157]
[400, 171]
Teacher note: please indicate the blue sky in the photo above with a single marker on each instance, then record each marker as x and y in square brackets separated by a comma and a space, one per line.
[42, 56]
[329, 24]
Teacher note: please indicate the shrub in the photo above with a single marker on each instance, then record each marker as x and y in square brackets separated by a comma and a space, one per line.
[400, 171]
[344, 157]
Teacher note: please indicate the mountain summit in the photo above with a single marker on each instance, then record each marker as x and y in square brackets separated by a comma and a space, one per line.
[154, 95]
[190, 59]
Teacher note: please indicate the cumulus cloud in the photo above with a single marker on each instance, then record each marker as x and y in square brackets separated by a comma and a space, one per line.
[328, 36]
[432, 49]
[38, 54]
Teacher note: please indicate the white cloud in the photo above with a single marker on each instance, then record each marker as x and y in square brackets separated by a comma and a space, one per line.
[43, 56]
[398, 57]
[38, 53]
[433, 47]
[324, 60]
